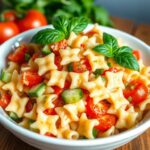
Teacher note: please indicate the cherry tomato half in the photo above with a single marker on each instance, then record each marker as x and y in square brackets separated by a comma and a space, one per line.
[136, 53]
[96, 110]
[136, 91]
[5, 100]
[10, 15]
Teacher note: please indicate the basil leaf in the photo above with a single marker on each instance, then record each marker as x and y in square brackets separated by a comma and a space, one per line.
[124, 49]
[104, 49]
[111, 40]
[127, 60]
[48, 36]
[77, 25]
[61, 23]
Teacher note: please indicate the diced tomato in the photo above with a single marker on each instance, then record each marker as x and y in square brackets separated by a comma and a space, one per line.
[136, 53]
[106, 121]
[57, 90]
[96, 110]
[18, 55]
[136, 92]
[59, 45]
[34, 56]
[90, 33]
[57, 62]
[67, 84]
[31, 78]
[29, 106]
[4, 100]
[114, 70]
[81, 66]
[50, 111]
[49, 134]
[83, 46]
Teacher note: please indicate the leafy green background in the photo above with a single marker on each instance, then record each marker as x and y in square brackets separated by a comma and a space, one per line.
[68, 8]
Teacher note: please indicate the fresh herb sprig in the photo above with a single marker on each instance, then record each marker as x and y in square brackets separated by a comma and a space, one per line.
[62, 29]
[122, 55]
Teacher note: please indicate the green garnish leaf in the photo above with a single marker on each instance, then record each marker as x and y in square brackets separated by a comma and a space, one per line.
[77, 25]
[95, 132]
[27, 57]
[48, 36]
[104, 49]
[122, 55]
[127, 60]
[70, 67]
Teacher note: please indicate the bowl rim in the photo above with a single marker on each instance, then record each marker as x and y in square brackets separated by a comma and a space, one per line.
[76, 143]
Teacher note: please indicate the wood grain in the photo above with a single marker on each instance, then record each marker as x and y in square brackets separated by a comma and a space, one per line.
[9, 142]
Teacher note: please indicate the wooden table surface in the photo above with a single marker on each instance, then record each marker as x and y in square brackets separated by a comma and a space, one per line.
[142, 31]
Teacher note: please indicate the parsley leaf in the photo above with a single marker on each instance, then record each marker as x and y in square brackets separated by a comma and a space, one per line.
[48, 36]
[127, 60]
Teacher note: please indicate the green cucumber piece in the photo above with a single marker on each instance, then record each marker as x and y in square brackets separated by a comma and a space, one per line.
[37, 90]
[27, 57]
[13, 116]
[5, 76]
[72, 95]
[70, 67]
[95, 132]
[46, 50]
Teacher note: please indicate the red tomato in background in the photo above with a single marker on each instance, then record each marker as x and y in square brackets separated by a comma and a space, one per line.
[137, 92]
[31, 78]
[5, 100]
[106, 121]
[136, 53]
[96, 110]
[10, 16]
[18, 55]
[7, 30]
[32, 20]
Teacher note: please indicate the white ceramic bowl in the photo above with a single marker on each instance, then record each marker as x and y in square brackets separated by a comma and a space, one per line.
[47, 143]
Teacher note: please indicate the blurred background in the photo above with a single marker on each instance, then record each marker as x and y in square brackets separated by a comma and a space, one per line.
[138, 10]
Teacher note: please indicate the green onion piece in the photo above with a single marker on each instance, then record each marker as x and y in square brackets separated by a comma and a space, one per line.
[70, 67]
[27, 57]
[5, 76]
[46, 50]
[98, 72]
[13, 116]
[95, 132]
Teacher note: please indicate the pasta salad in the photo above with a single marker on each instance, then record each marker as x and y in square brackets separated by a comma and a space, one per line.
[71, 84]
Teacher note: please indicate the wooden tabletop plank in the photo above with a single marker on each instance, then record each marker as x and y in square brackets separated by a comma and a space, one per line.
[9, 142]
[143, 32]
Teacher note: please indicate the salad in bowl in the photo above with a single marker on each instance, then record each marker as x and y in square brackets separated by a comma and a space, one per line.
[72, 83]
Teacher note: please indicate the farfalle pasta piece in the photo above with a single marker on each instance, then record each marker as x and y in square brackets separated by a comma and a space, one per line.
[46, 63]
[143, 105]
[117, 94]
[17, 104]
[77, 79]
[96, 61]
[57, 78]
[97, 89]
[69, 55]
[86, 126]
[12, 66]
[47, 123]
[115, 80]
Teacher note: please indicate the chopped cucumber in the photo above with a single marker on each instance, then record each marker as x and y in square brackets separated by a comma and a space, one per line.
[37, 90]
[27, 57]
[13, 116]
[72, 95]
[95, 132]
[46, 50]
[98, 72]
[70, 67]
[5, 76]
